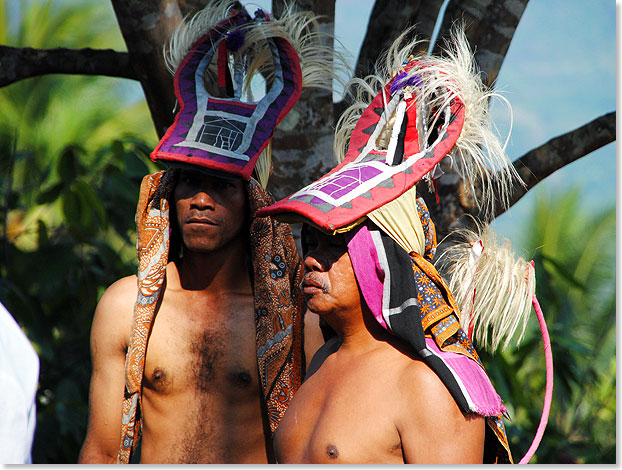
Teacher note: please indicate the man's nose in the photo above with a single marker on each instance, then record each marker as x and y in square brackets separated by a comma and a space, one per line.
[312, 262]
[202, 199]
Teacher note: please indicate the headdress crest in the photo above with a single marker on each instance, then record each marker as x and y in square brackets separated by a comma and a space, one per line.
[214, 127]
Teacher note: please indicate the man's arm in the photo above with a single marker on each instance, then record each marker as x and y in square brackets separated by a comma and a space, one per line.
[431, 426]
[110, 335]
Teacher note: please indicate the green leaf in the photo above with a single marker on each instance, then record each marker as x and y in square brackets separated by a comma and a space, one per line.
[50, 194]
[69, 166]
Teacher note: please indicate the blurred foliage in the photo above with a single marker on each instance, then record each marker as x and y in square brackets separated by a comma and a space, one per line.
[73, 152]
[69, 178]
[575, 256]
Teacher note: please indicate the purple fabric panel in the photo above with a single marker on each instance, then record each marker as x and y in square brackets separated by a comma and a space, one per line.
[478, 386]
[367, 270]
[316, 201]
[345, 180]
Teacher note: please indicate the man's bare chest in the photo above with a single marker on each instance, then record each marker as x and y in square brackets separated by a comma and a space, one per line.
[202, 347]
[339, 420]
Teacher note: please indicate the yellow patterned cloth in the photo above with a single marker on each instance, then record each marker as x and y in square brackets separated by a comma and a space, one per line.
[277, 270]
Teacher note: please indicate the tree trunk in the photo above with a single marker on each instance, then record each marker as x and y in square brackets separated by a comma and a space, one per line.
[146, 27]
[302, 147]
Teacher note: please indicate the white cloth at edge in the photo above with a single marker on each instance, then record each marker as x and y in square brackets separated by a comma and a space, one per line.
[19, 375]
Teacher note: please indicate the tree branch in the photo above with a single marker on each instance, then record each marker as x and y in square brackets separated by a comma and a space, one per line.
[541, 162]
[533, 167]
[20, 63]
[388, 19]
[490, 26]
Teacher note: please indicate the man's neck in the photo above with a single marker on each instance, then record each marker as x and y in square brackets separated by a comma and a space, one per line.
[359, 331]
[217, 271]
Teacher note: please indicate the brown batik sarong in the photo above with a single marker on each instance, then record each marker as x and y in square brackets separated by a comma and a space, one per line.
[277, 270]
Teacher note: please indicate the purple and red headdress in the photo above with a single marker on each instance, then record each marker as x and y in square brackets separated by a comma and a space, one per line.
[427, 109]
[215, 127]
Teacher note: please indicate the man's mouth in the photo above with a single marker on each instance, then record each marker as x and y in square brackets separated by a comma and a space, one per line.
[201, 220]
[311, 285]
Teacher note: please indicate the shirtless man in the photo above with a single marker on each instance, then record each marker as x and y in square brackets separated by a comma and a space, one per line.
[367, 397]
[401, 382]
[210, 343]
[201, 394]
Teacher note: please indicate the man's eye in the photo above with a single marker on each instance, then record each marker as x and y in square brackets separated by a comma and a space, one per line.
[224, 184]
[189, 180]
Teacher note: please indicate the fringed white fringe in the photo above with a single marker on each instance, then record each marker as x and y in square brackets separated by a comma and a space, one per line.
[493, 290]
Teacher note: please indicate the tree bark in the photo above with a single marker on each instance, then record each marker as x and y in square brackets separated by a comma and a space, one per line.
[25, 62]
[388, 19]
[302, 146]
[490, 26]
[146, 27]
[533, 167]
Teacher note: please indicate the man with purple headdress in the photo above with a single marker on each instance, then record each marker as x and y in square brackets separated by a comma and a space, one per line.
[400, 381]
[201, 353]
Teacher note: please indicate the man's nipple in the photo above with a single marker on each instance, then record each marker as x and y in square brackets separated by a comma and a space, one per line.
[158, 375]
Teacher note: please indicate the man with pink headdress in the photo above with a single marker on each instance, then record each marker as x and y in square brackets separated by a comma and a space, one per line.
[400, 380]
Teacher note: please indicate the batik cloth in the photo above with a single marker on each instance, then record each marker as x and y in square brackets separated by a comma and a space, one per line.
[277, 274]
[420, 309]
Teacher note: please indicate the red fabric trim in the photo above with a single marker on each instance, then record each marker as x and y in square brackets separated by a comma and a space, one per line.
[222, 64]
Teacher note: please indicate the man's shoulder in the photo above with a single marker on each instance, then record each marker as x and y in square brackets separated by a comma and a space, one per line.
[420, 386]
[417, 372]
[118, 299]
[122, 288]
[432, 427]
[424, 398]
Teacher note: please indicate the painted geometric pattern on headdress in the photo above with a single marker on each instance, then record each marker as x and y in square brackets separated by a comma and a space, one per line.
[278, 272]
[152, 244]
[227, 134]
[368, 177]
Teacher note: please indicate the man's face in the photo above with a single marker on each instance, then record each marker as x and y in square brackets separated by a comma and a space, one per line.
[210, 211]
[329, 284]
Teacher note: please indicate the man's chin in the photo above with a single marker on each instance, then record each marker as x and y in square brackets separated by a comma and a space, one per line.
[201, 248]
[313, 307]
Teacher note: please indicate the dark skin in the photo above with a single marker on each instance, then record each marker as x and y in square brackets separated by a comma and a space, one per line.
[367, 398]
[201, 391]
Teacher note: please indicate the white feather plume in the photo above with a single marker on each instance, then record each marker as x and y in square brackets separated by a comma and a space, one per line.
[321, 55]
[493, 290]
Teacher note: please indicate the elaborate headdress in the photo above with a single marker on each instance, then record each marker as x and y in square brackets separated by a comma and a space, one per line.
[427, 109]
[215, 57]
